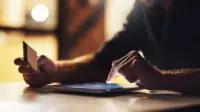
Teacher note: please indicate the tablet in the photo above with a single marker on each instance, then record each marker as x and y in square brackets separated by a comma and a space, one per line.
[92, 88]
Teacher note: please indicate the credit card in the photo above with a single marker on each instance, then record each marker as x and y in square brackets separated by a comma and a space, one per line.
[30, 56]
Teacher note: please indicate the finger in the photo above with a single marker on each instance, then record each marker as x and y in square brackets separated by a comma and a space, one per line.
[19, 61]
[138, 83]
[34, 79]
[126, 65]
[117, 62]
[111, 75]
[37, 80]
[30, 80]
[132, 56]
[113, 71]
[26, 66]
[129, 64]
[42, 60]
[130, 69]
[26, 77]
[25, 70]
[109, 80]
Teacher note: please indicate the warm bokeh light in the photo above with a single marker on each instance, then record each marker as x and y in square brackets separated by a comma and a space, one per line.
[40, 13]
[93, 2]
[12, 13]
[3, 38]
[116, 14]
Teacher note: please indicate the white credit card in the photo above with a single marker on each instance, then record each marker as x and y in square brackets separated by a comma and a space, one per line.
[30, 56]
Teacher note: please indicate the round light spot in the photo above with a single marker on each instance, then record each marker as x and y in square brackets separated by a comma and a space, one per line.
[40, 13]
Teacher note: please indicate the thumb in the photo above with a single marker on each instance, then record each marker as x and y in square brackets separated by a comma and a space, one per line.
[42, 62]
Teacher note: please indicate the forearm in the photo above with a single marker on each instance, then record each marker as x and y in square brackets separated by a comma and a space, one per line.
[80, 70]
[185, 80]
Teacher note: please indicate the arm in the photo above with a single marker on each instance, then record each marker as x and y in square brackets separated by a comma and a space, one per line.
[96, 67]
[82, 69]
[90, 68]
[184, 80]
[153, 78]
[79, 70]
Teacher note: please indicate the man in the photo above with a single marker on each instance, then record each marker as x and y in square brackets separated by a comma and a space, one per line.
[165, 30]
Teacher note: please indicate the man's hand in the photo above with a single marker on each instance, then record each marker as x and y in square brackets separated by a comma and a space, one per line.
[44, 75]
[117, 64]
[133, 66]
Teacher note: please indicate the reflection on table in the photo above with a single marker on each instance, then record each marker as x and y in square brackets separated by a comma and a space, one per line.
[16, 97]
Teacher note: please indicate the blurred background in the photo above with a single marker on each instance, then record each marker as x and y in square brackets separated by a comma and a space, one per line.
[59, 29]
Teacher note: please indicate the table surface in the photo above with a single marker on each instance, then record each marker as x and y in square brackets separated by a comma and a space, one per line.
[17, 97]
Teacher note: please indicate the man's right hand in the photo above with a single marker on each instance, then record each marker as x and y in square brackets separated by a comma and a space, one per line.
[45, 74]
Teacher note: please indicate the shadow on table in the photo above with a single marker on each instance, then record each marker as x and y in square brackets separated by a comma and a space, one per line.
[193, 108]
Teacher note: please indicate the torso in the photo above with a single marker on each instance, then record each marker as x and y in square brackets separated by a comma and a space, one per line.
[175, 41]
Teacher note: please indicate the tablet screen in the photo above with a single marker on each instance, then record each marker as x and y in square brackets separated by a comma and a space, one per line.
[91, 88]
[95, 86]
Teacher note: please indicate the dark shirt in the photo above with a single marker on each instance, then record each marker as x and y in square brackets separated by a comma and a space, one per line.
[168, 42]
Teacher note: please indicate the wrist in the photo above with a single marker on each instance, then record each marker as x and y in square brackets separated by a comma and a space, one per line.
[57, 64]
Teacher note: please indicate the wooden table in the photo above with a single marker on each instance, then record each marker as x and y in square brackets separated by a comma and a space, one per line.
[16, 97]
